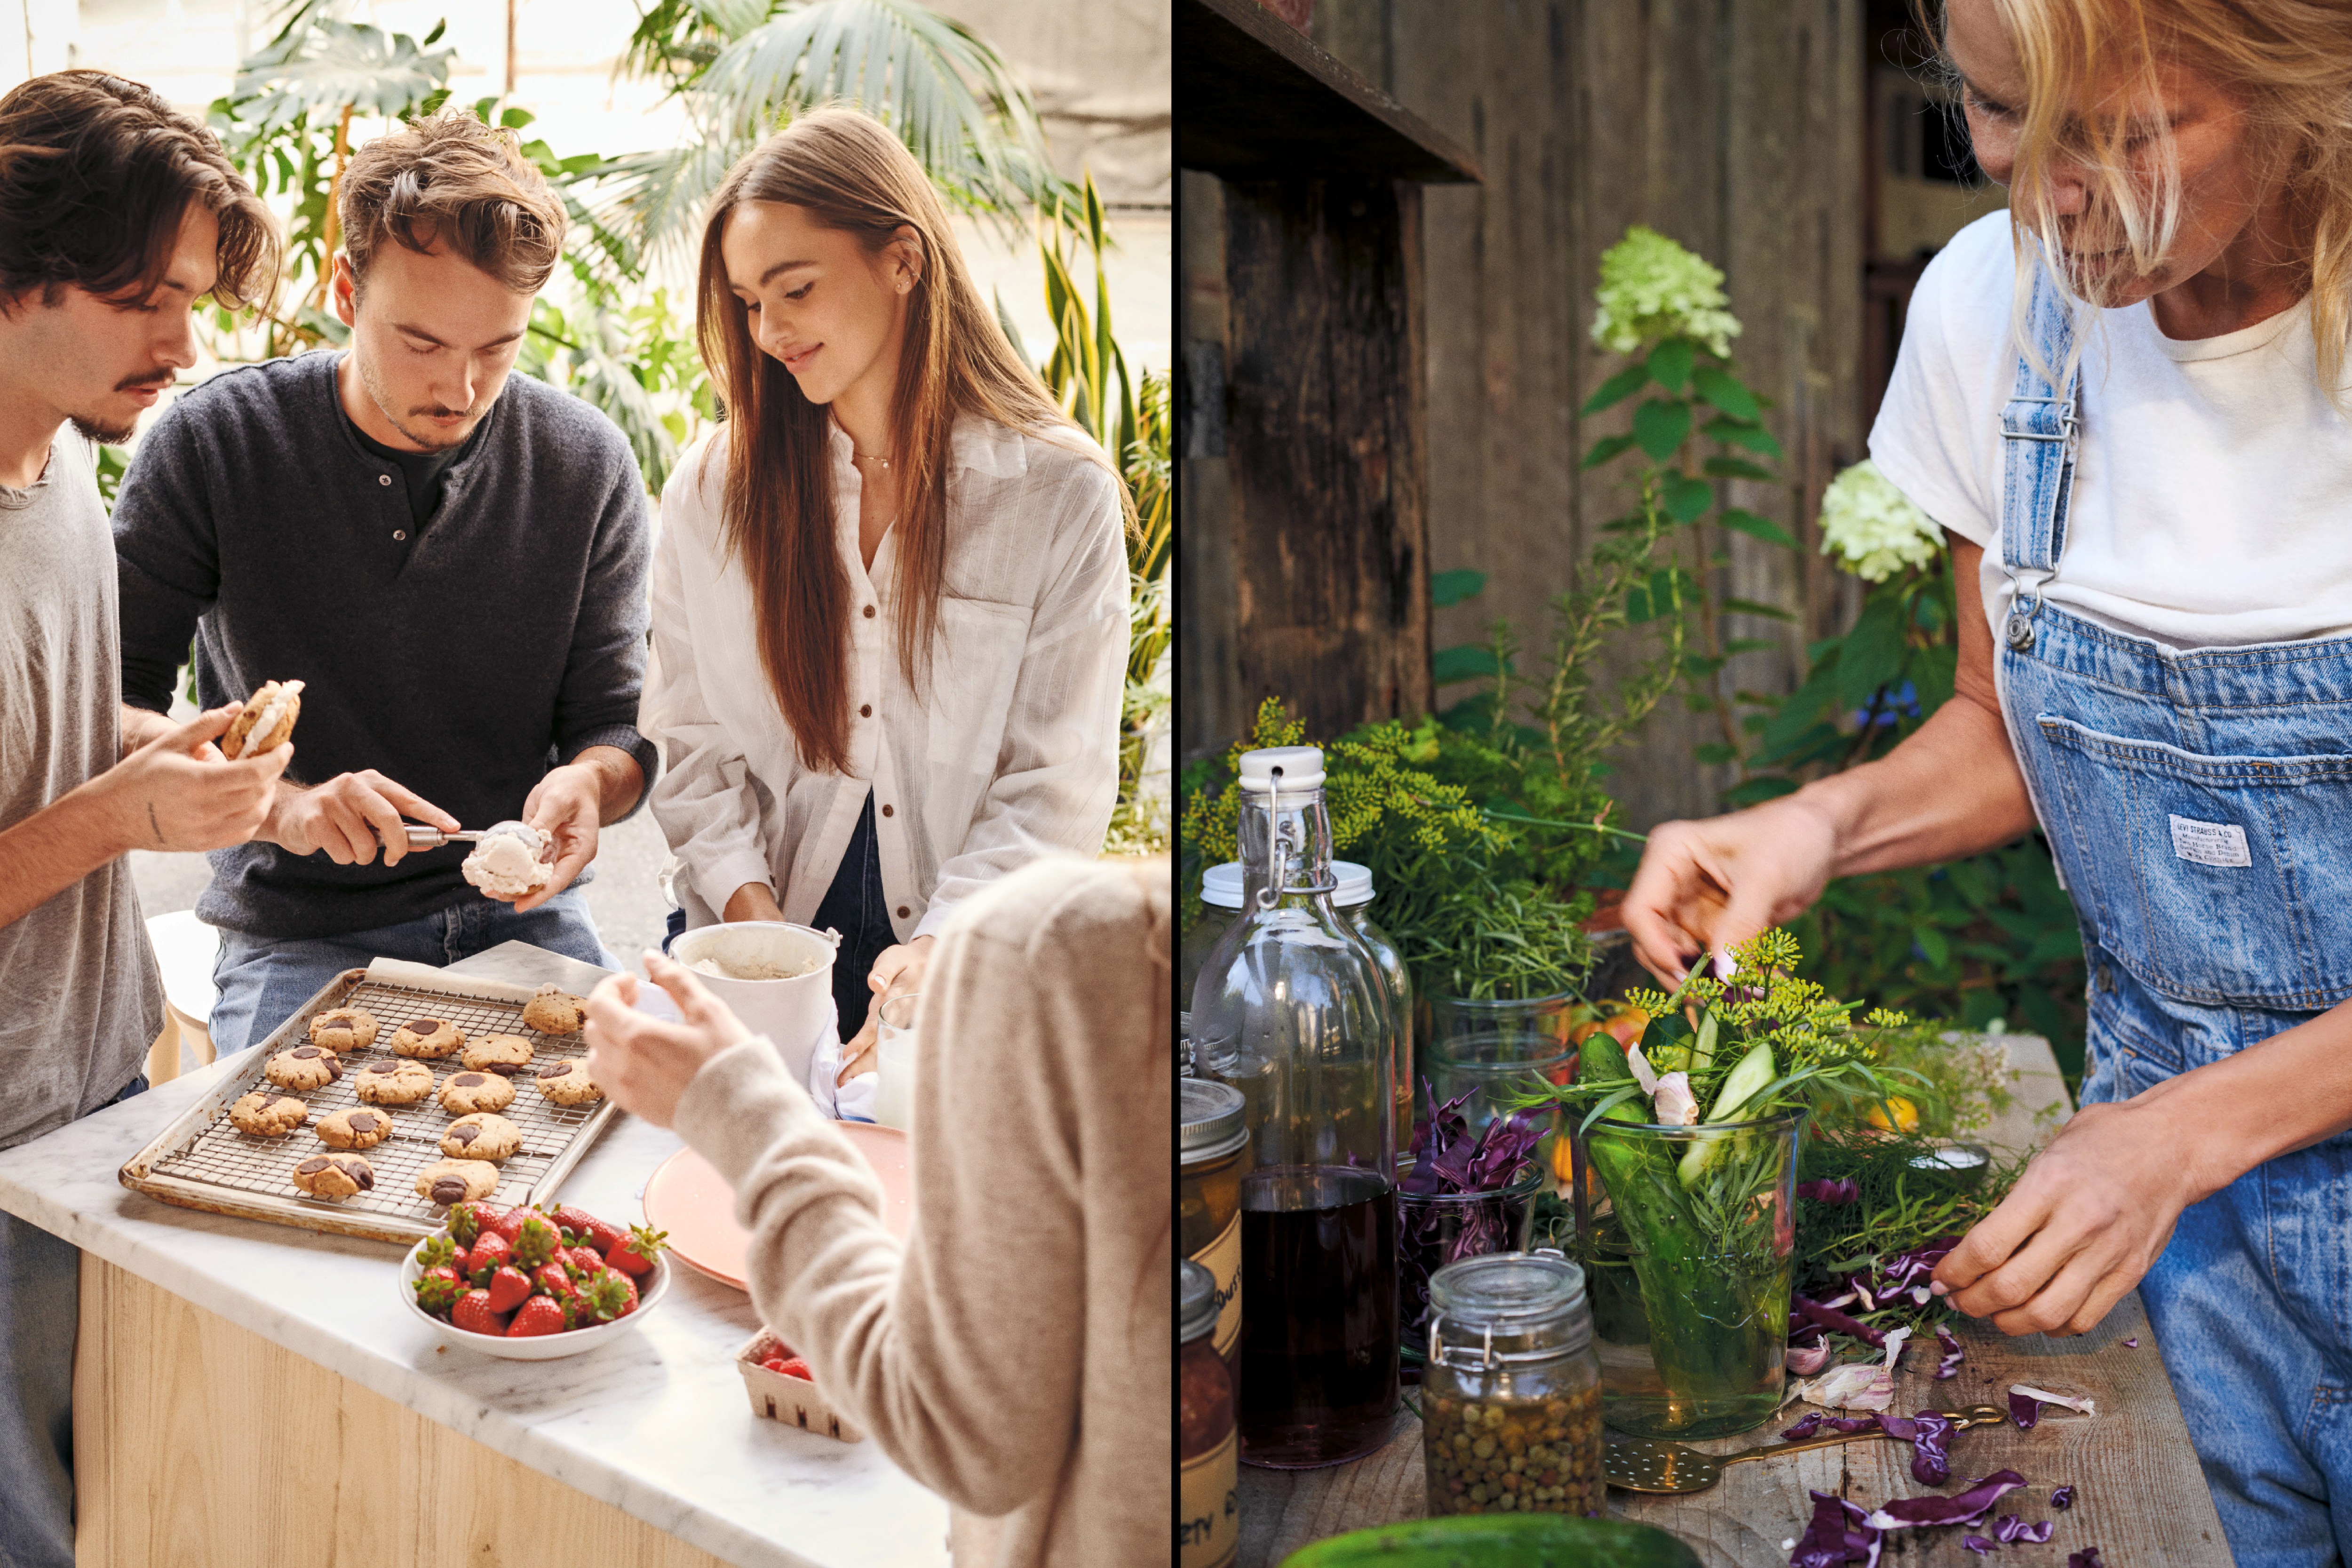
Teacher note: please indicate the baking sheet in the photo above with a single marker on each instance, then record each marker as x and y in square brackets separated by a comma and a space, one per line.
[202, 1162]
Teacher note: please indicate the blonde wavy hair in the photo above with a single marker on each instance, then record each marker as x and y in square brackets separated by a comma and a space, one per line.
[2288, 63]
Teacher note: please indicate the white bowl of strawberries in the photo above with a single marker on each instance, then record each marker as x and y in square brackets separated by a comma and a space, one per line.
[531, 1284]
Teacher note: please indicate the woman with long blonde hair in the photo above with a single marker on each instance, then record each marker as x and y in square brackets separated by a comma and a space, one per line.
[2126, 401]
[890, 592]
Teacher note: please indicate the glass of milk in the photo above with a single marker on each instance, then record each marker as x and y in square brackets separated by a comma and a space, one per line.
[894, 1095]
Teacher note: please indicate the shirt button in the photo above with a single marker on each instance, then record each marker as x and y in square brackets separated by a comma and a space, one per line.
[887, 812]
[869, 612]
[902, 911]
[383, 478]
[400, 534]
[866, 711]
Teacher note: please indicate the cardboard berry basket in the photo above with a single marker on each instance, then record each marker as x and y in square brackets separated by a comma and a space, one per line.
[793, 1400]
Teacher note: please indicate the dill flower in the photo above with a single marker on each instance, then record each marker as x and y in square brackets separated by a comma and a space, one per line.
[1873, 527]
[1652, 289]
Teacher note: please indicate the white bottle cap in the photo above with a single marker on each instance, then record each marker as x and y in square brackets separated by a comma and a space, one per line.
[1222, 885]
[1301, 768]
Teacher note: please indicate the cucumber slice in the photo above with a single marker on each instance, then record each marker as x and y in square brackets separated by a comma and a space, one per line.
[1753, 1073]
[1702, 1051]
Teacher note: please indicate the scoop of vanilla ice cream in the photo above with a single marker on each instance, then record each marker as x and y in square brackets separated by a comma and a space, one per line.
[506, 865]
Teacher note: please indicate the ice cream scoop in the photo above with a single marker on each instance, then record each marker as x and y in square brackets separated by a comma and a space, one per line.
[505, 863]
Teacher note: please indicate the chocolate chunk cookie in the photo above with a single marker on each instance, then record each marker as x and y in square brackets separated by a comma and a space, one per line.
[568, 1083]
[505, 1054]
[466, 1093]
[429, 1038]
[554, 1011]
[334, 1175]
[400, 1082]
[454, 1181]
[343, 1029]
[303, 1067]
[351, 1128]
[268, 1115]
[481, 1136]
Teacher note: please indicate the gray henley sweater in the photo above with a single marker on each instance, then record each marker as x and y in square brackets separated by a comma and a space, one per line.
[462, 659]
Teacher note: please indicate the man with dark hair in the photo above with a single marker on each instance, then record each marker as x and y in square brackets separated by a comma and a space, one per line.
[451, 556]
[117, 217]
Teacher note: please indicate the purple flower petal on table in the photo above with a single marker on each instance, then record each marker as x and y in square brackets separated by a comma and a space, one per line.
[1977, 1544]
[1953, 1355]
[1966, 1508]
[1835, 1536]
[2086, 1558]
[2063, 1499]
[2025, 1410]
[1821, 1190]
[2132, 1344]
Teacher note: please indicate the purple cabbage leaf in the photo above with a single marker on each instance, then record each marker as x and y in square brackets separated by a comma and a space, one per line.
[1966, 1508]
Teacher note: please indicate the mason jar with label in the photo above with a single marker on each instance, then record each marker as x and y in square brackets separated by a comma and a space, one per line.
[1213, 1155]
[1510, 1397]
[1220, 905]
[1208, 1510]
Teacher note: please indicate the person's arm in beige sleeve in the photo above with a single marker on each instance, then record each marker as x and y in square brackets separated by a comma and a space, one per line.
[965, 1359]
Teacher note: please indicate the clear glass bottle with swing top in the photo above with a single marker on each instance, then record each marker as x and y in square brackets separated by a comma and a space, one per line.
[1291, 1009]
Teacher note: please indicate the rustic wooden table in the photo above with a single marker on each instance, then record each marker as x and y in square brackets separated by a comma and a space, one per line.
[2139, 1496]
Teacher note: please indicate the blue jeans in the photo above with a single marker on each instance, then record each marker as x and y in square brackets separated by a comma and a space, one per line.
[263, 981]
[40, 1296]
[2196, 803]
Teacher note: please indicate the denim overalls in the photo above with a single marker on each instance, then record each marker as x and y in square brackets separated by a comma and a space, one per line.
[2199, 806]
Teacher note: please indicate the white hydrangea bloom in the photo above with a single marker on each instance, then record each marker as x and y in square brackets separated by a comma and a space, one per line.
[1873, 527]
[1652, 288]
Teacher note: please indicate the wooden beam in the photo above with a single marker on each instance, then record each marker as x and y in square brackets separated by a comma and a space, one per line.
[1262, 101]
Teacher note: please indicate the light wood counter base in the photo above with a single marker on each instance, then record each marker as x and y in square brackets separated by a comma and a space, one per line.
[198, 1444]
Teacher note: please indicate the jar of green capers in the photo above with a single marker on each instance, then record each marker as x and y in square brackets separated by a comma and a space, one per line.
[1510, 1399]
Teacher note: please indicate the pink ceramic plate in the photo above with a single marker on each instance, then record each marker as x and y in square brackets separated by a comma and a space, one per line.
[692, 1202]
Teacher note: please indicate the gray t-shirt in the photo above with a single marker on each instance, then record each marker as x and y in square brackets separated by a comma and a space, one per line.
[81, 997]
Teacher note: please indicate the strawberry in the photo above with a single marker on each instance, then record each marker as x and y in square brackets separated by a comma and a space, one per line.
[574, 1219]
[437, 1251]
[605, 1236]
[774, 1363]
[607, 1296]
[582, 1258]
[535, 1242]
[793, 1366]
[474, 1314]
[510, 1222]
[491, 1252]
[469, 1220]
[540, 1315]
[509, 1288]
[635, 1256]
[550, 1278]
[438, 1288]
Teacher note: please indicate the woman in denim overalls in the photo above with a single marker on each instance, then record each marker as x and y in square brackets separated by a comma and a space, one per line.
[2199, 802]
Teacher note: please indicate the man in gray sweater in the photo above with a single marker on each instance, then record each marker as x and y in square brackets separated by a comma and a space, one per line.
[450, 556]
[119, 218]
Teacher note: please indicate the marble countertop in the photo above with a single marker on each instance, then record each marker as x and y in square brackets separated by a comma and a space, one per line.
[657, 1424]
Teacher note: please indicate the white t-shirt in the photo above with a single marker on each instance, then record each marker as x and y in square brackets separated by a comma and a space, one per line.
[2213, 500]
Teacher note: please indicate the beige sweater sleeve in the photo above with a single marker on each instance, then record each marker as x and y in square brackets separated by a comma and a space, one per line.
[1042, 1204]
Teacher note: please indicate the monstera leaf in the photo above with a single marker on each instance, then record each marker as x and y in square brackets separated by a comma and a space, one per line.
[329, 66]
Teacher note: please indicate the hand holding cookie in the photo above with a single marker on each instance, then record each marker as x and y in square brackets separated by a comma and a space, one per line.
[177, 791]
[645, 1063]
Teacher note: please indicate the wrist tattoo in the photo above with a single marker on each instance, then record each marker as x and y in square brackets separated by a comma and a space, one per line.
[151, 823]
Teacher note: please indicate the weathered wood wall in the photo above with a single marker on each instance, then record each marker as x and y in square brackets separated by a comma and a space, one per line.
[1736, 127]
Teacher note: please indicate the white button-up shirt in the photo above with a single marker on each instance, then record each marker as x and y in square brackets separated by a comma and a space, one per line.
[1011, 754]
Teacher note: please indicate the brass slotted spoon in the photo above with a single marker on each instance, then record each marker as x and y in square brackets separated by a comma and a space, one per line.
[1647, 1465]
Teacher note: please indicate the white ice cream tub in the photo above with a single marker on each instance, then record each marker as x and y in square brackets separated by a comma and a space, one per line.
[793, 1013]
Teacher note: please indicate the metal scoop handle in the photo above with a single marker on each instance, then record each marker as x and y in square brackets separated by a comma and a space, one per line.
[421, 837]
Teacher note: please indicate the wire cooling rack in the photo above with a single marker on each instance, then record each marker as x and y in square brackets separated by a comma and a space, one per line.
[202, 1160]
